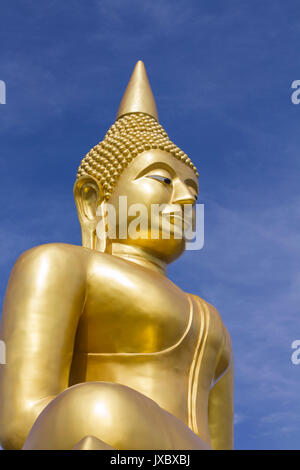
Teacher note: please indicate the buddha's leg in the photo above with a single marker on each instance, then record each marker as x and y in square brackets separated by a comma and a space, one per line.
[117, 415]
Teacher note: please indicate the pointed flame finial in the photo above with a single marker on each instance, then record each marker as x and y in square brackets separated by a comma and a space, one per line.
[138, 96]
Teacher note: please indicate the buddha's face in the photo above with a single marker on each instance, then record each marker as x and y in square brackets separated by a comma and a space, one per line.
[155, 178]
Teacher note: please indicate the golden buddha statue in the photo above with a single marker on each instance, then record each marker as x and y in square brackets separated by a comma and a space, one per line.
[103, 351]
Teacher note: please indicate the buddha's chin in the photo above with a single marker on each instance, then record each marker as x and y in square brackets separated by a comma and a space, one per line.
[166, 250]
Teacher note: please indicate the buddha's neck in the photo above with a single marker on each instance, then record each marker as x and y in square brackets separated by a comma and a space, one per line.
[139, 256]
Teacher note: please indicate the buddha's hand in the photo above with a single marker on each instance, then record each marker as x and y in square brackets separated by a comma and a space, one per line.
[120, 417]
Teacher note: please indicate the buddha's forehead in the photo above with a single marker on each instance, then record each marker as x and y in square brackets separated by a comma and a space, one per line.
[155, 159]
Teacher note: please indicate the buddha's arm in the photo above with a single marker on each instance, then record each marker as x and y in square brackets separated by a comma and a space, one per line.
[43, 302]
[220, 403]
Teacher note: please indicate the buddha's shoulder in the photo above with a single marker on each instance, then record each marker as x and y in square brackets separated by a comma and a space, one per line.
[53, 251]
[63, 256]
[217, 334]
[206, 306]
[212, 314]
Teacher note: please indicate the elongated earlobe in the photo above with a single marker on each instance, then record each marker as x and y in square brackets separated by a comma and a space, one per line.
[101, 228]
[88, 196]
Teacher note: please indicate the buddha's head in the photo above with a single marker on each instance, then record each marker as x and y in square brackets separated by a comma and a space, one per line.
[136, 164]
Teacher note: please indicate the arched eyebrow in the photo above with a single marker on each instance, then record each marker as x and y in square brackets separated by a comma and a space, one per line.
[156, 166]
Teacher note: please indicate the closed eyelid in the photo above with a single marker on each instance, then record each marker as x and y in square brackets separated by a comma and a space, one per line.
[164, 179]
[156, 169]
[161, 172]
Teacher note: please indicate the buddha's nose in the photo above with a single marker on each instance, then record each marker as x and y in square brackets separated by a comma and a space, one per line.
[182, 195]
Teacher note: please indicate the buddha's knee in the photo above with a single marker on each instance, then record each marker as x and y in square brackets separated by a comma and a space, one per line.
[115, 414]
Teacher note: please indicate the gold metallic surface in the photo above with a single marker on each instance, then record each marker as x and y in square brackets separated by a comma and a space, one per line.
[136, 130]
[123, 142]
[92, 443]
[102, 349]
[138, 96]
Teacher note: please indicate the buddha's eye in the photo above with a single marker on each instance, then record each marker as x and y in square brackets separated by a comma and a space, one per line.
[160, 178]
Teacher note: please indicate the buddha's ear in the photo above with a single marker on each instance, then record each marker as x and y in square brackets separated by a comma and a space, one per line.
[88, 196]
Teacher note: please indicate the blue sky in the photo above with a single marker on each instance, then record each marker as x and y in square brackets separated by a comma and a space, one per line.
[221, 73]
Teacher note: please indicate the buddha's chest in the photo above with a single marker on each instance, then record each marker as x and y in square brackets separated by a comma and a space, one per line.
[130, 309]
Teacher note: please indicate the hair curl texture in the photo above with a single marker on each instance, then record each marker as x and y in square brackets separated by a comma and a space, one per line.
[126, 138]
